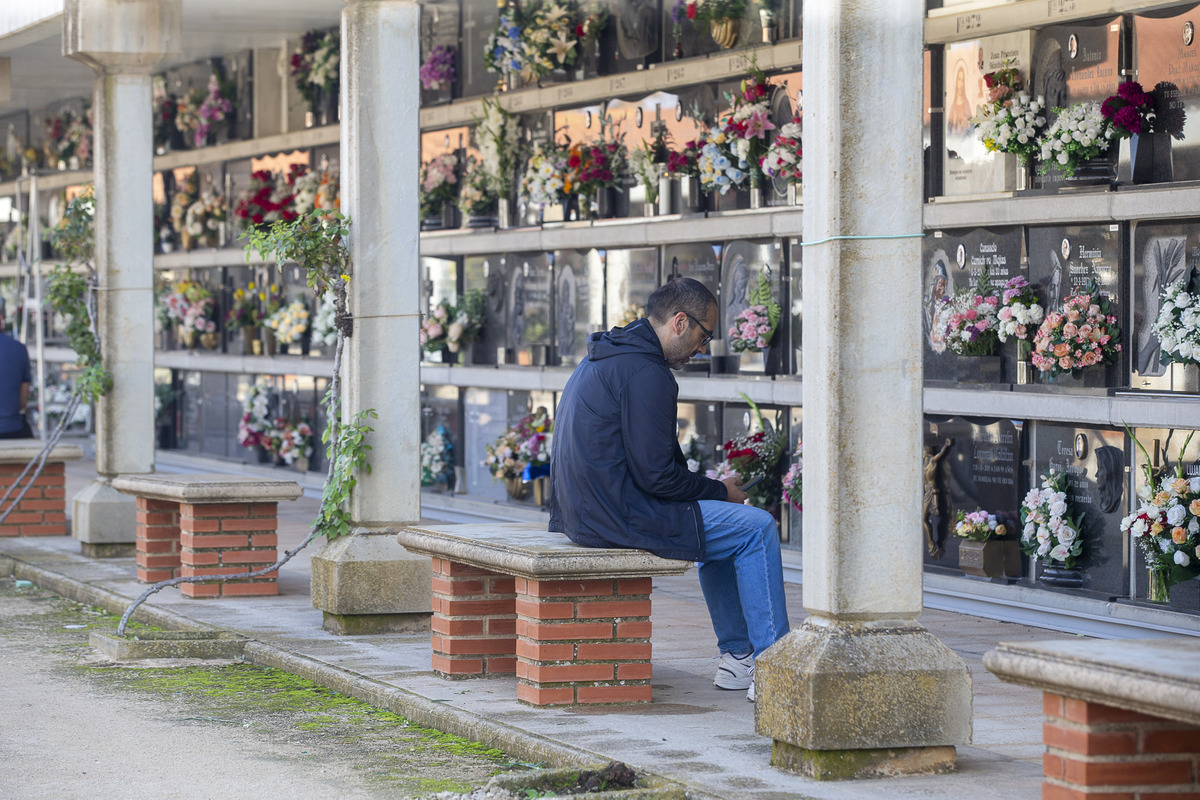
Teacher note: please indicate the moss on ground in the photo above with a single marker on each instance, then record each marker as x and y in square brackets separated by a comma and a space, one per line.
[401, 759]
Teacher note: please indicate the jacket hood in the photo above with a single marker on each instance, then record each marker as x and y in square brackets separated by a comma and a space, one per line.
[636, 337]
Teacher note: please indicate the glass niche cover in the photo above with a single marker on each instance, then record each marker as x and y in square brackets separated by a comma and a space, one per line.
[578, 302]
[1167, 56]
[743, 263]
[489, 274]
[530, 319]
[632, 276]
[1163, 253]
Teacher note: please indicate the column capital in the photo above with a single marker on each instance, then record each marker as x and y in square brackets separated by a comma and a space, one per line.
[122, 35]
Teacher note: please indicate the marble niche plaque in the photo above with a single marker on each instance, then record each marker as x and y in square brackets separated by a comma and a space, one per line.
[530, 314]
[970, 464]
[1165, 448]
[954, 261]
[742, 261]
[489, 274]
[968, 168]
[632, 276]
[578, 302]
[1166, 49]
[1073, 64]
[1163, 253]
[479, 20]
[700, 261]
[1062, 259]
[1094, 459]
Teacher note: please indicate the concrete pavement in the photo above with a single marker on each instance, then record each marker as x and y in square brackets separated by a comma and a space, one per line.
[692, 732]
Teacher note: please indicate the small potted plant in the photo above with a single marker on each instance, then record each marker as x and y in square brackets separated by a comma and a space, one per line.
[984, 551]
[724, 18]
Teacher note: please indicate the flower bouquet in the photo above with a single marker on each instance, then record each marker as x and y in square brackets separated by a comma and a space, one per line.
[324, 327]
[524, 446]
[1049, 531]
[437, 457]
[1010, 121]
[270, 197]
[289, 323]
[199, 316]
[971, 327]
[754, 327]
[187, 194]
[793, 480]
[290, 441]
[686, 161]
[978, 526]
[1178, 323]
[498, 136]
[543, 182]
[754, 455]
[1081, 334]
[783, 156]
[202, 112]
[315, 66]
[647, 166]
[591, 167]
[256, 417]
[1080, 133]
[438, 69]
[304, 192]
[243, 312]
[165, 107]
[451, 328]
[1166, 525]
[66, 131]
[439, 184]
[203, 220]
[475, 197]
[733, 155]
[541, 36]
[1019, 311]
[1130, 111]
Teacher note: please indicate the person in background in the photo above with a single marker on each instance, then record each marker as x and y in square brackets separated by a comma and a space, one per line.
[15, 378]
[621, 480]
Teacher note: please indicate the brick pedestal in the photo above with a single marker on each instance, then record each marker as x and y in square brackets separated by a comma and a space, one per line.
[1098, 751]
[42, 511]
[583, 641]
[157, 540]
[474, 621]
[218, 538]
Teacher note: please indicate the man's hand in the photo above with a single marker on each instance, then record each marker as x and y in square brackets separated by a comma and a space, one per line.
[733, 493]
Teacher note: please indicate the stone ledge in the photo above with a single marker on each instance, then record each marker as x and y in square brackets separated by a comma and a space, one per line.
[22, 451]
[531, 552]
[1152, 676]
[208, 487]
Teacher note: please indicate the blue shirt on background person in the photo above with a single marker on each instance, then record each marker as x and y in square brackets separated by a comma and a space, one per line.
[15, 377]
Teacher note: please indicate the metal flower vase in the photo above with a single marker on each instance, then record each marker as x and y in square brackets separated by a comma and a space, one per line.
[725, 31]
[516, 488]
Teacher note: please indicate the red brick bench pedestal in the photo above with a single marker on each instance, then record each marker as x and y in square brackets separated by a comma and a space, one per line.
[572, 622]
[1122, 717]
[207, 524]
[43, 509]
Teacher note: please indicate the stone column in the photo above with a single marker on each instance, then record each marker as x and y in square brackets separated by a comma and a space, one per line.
[367, 581]
[861, 688]
[122, 41]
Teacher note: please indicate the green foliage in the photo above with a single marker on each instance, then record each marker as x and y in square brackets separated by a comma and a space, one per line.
[316, 242]
[67, 293]
[348, 455]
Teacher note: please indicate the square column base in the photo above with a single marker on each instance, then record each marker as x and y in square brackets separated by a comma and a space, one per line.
[866, 687]
[844, 765]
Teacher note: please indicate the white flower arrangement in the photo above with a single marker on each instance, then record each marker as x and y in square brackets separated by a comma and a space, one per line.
[304, 193]
[1081, 132]
[1049, 530]
[1178, 324]
[324, 331]
[1166, 526]
[436, 460]
[1020, 313]
[646, 169]
[498, 137]
[1012, 126]
[543, 182]
[289, 323]
[783, 156]
[256, 416]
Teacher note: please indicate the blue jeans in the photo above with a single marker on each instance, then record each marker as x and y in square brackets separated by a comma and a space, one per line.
[742, 578]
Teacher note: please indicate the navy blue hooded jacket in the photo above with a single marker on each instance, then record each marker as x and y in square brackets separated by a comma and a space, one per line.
[619, 478]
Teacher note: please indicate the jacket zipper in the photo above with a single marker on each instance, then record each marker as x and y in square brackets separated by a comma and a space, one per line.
[696, 528]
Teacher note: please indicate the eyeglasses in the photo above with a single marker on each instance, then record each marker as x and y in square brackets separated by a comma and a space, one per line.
[707, 333]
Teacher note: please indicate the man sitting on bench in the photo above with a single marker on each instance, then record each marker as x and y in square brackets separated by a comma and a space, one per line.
[621, 480]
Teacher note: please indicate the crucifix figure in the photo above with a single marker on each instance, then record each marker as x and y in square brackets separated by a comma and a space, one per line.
[932, 498]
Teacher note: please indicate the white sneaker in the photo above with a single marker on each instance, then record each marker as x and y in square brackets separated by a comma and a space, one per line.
[750, 692]
[734, 672]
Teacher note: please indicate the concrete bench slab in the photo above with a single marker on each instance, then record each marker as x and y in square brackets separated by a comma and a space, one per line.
[207, 524]
[208, 487]
[1120, 715]
[43, 509]
[572, 622]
